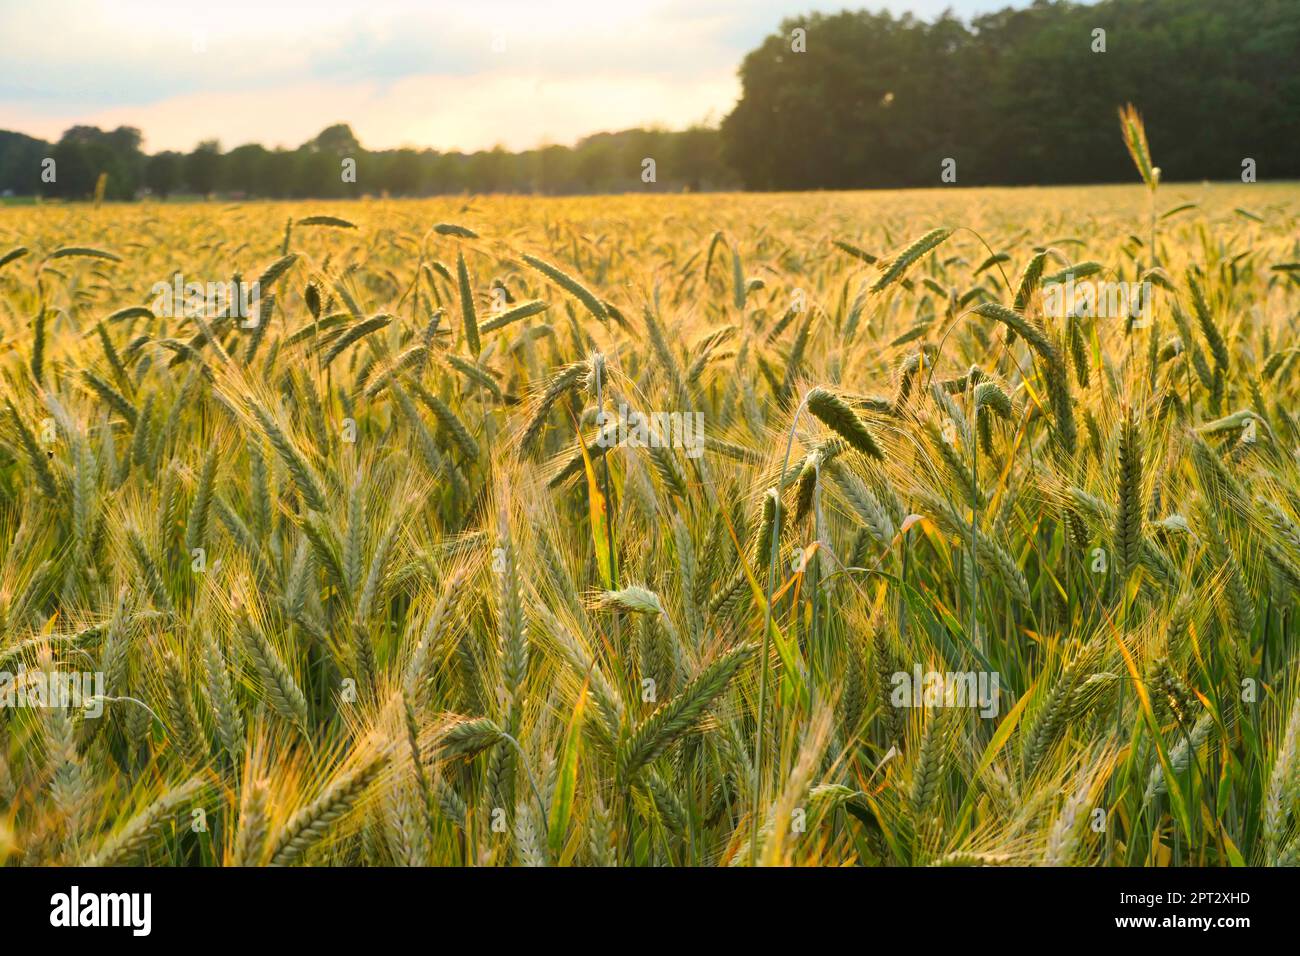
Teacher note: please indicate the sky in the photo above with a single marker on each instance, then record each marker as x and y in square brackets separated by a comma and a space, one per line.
[467, 75]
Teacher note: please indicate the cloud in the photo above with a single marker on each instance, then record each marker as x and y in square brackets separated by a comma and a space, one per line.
[514, 72]
[515, 110]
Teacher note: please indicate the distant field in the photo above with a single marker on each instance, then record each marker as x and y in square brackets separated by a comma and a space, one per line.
[917, 557]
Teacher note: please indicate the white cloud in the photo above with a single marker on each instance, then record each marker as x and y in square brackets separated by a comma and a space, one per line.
[400, 71]
[515, 110]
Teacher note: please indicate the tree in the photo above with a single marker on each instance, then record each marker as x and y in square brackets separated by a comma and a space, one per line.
[244, 170]
[1018, 96]
[75, 170]
[337, 140]
[203, 166]
[695, 158]
[83, 153]
[20, 163]
[163, 173]
[401, 176]
[280, 172]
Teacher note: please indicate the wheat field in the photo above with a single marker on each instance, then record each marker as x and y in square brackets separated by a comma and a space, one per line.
[390, 572]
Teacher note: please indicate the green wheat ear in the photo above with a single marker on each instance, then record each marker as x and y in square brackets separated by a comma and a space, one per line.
[1130, 512]
[1029, 281]
[1135, 140]
[128, 844]
[836, 414]
[468, 311]
[313, 822]
[570, 285]
[1017, 323]
[681, 713]
[900, 264]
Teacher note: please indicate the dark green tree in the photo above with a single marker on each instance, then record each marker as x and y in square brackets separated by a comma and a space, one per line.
[162, 173]
[203, 167]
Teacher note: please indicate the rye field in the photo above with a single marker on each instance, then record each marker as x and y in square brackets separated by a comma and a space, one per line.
[725, 530]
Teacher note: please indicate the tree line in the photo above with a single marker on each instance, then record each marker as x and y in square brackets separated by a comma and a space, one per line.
[334, 165]
[1020, 96]
[849, 100]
